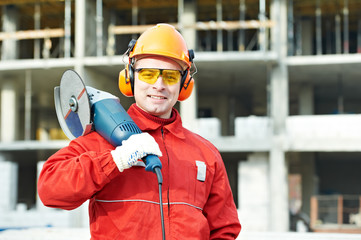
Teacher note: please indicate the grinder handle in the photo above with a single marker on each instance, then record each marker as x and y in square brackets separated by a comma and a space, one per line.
[151, 162]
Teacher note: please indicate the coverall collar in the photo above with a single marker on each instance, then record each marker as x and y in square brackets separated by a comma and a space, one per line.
[148, 122]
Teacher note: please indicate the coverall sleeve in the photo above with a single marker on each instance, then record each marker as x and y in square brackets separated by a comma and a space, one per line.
[74, 174]
[220, 209]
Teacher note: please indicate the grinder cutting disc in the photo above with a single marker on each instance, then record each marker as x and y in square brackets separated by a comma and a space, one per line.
[72, 105]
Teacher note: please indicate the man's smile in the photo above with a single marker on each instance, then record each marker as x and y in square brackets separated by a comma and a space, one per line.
[156, 97]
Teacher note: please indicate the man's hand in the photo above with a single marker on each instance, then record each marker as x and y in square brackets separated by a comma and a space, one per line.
[134, 148]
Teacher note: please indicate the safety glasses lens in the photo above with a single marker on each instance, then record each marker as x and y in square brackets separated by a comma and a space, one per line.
[150, 76]
[171, 76]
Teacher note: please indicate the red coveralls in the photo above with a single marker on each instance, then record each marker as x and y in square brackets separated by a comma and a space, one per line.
[125, 205]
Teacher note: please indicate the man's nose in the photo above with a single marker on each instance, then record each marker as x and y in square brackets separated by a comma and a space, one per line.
[159, 83]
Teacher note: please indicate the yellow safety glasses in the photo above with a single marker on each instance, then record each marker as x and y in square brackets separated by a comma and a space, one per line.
[150, 75]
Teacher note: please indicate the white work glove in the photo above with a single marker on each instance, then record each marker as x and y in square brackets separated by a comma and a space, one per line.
[133, 149]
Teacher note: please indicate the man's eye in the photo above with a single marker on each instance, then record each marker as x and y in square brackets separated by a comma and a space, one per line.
[148, 74]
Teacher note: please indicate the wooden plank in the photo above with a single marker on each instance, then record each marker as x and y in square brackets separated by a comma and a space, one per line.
[19, 2]
[32, 34]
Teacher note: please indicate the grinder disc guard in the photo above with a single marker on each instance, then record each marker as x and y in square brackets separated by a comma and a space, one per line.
[72, 105]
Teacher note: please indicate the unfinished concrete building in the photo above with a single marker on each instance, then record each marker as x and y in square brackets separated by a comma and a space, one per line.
[277, 92]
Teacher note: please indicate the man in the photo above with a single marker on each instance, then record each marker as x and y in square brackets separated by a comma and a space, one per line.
[124, 201]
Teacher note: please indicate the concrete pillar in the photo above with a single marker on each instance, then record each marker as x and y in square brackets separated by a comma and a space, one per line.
[262, 31]
[80, 23]
[219, 31]
[305, 100]
[27, 111]
[223, 112]
[307, 37]
[9, 111]
[253, 192]
[242, 17]
[91, 26]
[67, 29]
[37, 26]
[279, 216]
[9, 47]
[8, 184]
[99, 29]
[187, 16]
[278, 185]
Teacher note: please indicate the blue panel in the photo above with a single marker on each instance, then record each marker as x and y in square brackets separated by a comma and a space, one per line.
[74, 124]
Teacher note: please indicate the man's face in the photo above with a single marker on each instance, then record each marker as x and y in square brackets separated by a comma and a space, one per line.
[158, 98]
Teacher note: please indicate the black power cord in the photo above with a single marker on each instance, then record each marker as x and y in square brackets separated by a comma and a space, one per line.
[160, 182]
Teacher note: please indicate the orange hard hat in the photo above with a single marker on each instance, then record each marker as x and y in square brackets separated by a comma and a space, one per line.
[164, 40]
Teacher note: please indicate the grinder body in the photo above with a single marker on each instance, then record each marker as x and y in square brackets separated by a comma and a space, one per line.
[113, 123]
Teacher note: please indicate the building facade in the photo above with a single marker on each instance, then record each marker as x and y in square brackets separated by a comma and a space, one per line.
[276, 90]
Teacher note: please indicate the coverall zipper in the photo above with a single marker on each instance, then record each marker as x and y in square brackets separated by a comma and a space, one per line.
[162, 131]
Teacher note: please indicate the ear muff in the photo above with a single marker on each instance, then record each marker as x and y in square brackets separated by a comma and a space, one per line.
[125, 81]
[126, 76]
[187, 84]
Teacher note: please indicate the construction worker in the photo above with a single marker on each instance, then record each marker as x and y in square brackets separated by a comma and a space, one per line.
[124, 200]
